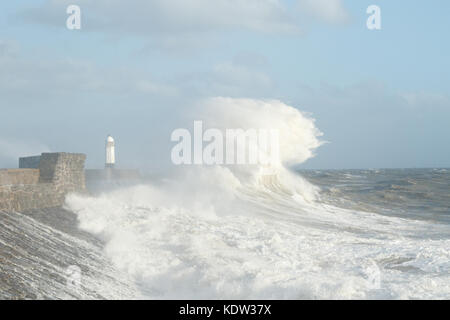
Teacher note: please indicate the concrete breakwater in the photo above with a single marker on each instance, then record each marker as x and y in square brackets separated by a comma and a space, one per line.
[42, 181]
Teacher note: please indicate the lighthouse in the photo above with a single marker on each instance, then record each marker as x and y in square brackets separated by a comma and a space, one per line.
[110, 152]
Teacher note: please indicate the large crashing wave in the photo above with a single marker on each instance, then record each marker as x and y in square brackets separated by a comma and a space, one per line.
[298, 138]
[253, 232]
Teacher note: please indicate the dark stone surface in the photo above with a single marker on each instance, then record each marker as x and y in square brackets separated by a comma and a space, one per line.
[29, 162]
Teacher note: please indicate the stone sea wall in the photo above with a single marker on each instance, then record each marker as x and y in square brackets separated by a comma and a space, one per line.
[29, 162]
[111, 174]
[18, 176]
[56, 175]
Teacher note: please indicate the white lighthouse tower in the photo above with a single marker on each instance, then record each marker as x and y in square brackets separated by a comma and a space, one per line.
[110, 152]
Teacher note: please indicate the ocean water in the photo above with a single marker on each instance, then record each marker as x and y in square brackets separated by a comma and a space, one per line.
[366, 235]
[421, 194]
[247, 232]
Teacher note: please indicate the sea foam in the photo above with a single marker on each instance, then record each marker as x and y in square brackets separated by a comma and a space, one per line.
[251, 232]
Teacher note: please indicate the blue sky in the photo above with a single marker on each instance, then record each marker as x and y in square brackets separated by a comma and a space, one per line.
[381, 98]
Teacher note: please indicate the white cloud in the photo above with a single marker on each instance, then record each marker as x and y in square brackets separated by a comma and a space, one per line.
[329, 11]
[171, 16]
[422, 99]
[235, 75]
[175, 20]
[24, 80]
[177, 26]
[146, 86]
[373, 95]
[28, 77]
[236, 78]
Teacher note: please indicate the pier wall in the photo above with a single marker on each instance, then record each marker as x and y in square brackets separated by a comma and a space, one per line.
[42, 181]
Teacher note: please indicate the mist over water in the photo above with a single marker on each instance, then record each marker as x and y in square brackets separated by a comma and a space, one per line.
[250, 232]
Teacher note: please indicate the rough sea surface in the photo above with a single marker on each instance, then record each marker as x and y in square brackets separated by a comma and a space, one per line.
[333, 234]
